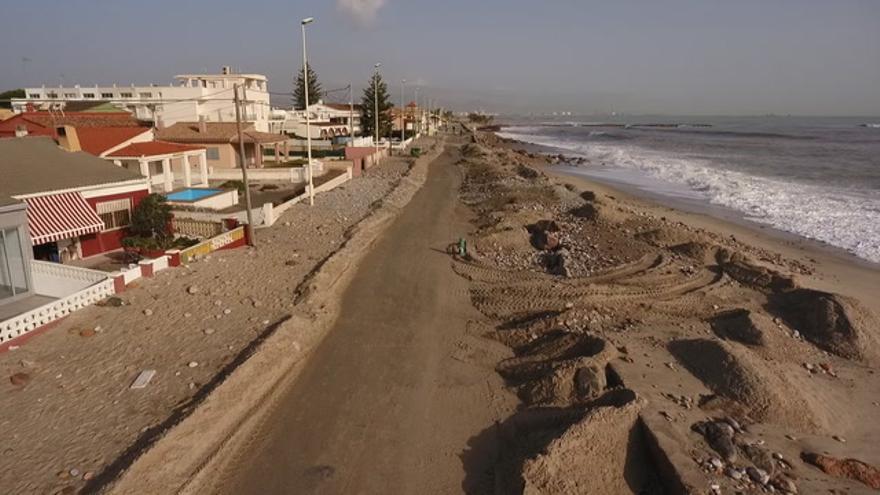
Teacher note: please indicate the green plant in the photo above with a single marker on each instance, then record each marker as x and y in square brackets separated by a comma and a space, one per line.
[151, 218]
[299, 90]
[376, 95]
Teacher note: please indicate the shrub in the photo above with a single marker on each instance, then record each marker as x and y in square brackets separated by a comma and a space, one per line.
[151, 217]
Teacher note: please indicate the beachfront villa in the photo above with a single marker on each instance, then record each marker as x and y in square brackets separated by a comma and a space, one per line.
[220, 141]
[193, 97]
[78, 205]
[326, 121]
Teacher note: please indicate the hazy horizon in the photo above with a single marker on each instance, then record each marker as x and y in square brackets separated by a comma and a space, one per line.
[684, 57]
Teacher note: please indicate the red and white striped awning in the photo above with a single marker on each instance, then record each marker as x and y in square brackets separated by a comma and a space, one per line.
[60, 216]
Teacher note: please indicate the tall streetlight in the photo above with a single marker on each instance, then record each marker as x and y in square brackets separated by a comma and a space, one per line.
[402, 114]
[308, 20]
[376, 105]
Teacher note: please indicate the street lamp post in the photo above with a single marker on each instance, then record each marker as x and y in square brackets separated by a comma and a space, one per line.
[376, 105]
[402, 114]
[303, 24]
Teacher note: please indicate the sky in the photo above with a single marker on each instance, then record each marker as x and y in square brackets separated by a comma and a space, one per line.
[681, 57]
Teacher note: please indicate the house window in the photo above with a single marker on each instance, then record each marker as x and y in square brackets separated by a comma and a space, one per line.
[146, 95]
[13, 271]
[35, 96]
[70, 95]
[52, 95]
[106, 95]
[212, 153]
[89, 95]
[126, 95]
[115, 214]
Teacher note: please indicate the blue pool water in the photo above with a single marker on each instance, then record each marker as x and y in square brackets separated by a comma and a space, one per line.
[191, 194]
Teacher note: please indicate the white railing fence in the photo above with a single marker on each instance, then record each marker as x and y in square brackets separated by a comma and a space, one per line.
[57, 280]
[35, 318]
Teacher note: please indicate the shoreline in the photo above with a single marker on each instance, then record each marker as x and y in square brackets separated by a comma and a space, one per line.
[638, 318]
[833, 269]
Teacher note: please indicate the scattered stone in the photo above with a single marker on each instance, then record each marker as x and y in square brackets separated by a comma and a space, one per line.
[20, 379]
[187, 315]
[113, 302]
[784, 484]
[208, 331]
[758, 475]
[760, 457]
[193, 289]
[218, 302]
[732, 472]
[828, 369]
[148, 312]
[809, 367]
[74, 472]
[845, 468]
[193, 364]
[716, 463]
[719, 436]
[258, 303]
[88, 475]
[87, 332]
[839, 438]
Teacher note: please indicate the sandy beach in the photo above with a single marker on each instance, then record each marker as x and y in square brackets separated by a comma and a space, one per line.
[660, 350]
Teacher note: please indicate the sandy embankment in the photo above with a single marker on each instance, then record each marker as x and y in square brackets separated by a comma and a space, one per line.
[708, 357]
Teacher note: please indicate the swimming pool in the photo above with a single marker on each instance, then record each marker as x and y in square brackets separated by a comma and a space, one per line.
[191, 195]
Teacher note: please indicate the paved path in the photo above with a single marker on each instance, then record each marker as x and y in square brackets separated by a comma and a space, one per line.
[398, 398]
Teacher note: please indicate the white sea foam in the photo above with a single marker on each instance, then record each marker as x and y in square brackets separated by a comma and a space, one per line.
[846, 218]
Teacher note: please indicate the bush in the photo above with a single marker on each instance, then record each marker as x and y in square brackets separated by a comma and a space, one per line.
[151, 218]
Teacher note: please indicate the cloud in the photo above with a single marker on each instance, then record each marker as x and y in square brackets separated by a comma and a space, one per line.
[363, 12]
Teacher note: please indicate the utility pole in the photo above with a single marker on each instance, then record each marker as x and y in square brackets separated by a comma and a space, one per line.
[308, 118]
[351, 114]
[402, 115]
[249, 228]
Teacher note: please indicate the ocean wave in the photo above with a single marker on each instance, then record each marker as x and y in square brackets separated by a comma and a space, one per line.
[873, 126]
[737, 134]
[846, 218]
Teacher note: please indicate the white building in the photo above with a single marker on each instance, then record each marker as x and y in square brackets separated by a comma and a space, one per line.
[193, 98]
[327, 120]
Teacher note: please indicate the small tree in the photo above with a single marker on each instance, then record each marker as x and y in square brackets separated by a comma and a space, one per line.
[376, 89]
[8, 95]
[299, 89]
[150, 219]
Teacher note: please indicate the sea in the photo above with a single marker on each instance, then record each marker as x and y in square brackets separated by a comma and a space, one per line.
[816, 177]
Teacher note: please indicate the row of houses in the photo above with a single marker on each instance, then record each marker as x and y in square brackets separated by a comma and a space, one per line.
[194, 98]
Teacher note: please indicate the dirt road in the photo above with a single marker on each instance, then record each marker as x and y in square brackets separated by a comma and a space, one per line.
[398, 397]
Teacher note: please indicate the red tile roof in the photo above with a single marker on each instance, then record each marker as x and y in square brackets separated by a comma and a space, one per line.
[44, 123]
[153, 148]
[97, 140]
[215, 132]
